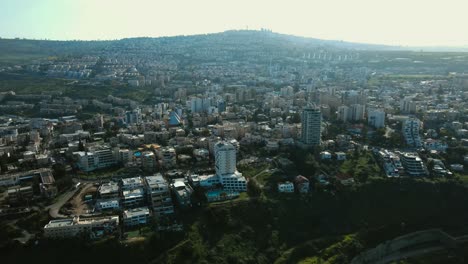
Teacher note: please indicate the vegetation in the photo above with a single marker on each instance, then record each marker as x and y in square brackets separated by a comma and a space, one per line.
[317, 227]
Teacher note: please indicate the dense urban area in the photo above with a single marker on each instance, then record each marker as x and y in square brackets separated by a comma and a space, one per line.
[236, 147]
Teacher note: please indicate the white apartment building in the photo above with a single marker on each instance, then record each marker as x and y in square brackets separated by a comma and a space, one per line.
[94, 159]
[71, 227]
[225, 166]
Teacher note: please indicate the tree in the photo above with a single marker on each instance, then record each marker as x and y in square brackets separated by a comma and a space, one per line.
[362, 176]
[63, 180]
[296, 118]
[253, 189]
[311, 166]
[81, 146]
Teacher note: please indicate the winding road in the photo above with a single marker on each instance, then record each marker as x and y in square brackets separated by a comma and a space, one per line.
[55, 207]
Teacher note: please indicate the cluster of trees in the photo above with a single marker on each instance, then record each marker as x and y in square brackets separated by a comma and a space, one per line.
[326, 227]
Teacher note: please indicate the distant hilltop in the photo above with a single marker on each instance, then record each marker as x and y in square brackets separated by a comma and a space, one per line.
[228, 40]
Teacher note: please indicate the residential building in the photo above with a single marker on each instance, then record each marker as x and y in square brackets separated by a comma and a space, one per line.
[225, 166]
[159, 195]
[71, 227]
[408, 106]
[413, 164]
[132, 183]
[183, 192]
[96, 158]
[167, 157]
[311, 126]
[136, 216]
[286, 187]
[376, 118]
[148, 161]
[357, 112]
[133, 117]
[110, 204]
[411, 132]
[325, 155]
[17, 193]
[108, 190]
[340, 156]
[133, 198]
[344, 113]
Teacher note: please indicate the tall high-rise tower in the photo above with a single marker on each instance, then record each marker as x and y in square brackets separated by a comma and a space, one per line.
[311, 126]
[225, 158]
[225, 166]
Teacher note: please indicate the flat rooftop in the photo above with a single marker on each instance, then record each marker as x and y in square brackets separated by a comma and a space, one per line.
[133, 193]
[155, 180]
[131, 181]
[110, 187]
[60, 223]
[140, 211]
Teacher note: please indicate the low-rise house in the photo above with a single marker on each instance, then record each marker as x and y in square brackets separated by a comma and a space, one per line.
[325, 155]
[456, 167]
[340, 155]
[286, 187]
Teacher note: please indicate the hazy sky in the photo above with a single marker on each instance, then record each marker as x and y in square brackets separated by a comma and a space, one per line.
[396, 22]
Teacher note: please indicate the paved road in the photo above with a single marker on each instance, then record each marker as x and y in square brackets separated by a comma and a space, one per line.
[55, 208]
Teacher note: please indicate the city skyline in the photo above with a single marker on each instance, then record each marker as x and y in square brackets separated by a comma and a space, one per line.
[419, 23]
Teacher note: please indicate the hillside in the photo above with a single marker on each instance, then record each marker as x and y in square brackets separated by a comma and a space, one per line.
[22, 50]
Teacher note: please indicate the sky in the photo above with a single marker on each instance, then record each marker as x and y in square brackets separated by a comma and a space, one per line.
[392, 22]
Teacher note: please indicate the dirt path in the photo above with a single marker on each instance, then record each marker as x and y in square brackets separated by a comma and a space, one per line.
[79, 206]
[55, 208]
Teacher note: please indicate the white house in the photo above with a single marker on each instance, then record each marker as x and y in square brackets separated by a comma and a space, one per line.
[286, 187]
[340, 155]
[325, 155]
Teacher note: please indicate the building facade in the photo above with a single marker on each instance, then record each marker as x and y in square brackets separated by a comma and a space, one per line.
[311, 126]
